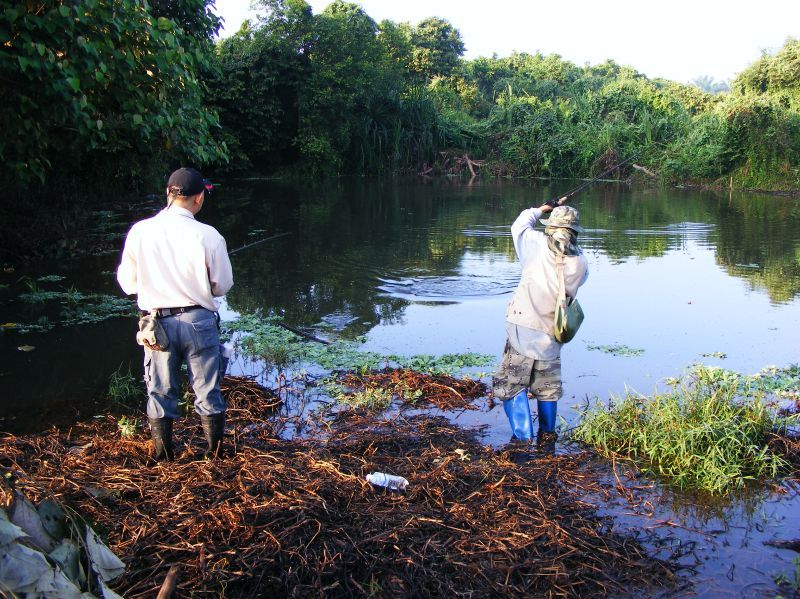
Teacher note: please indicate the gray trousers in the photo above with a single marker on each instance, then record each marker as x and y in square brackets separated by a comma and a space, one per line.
[194, 340]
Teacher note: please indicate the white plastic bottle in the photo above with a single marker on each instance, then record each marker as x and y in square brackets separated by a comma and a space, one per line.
[390, 481]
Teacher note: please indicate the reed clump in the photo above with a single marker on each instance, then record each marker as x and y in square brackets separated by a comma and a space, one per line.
[712, 432]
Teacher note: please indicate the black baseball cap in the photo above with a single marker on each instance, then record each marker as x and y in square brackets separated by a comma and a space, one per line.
[188, 182]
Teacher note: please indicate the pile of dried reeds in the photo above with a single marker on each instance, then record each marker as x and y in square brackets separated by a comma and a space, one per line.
[412, 387]
[296, 518]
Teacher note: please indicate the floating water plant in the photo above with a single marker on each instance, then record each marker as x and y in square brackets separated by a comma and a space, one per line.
[710, 432]
[77, 308]
[616, 350]
[788, 584]
[262, 338]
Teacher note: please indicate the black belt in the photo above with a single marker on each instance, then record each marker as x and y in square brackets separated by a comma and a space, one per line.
[163, 312]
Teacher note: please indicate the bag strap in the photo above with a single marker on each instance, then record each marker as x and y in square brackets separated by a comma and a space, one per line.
[562, 292]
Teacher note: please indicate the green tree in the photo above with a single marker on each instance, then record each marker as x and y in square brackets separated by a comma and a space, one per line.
[105, 87]
[708, 84]
[263, 70]
[437, 48]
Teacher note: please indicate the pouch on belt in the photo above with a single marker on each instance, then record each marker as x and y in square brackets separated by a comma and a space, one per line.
[151, 333]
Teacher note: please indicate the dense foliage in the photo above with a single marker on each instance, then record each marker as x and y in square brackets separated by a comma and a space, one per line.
[104, 90]
[119, 90]
[343, 94]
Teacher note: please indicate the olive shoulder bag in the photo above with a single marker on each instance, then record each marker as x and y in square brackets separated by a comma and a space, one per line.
[569, 314]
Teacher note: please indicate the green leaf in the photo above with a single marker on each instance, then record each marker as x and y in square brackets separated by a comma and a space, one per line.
[41, 49]
[64, 10]
[11, 14]
[99, 124]
[164, 24]
[137, 119]
[75, 83]
[23, 63]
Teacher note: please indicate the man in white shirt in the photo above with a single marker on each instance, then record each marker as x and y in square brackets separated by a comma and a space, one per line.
[178, 266]
[531, 361]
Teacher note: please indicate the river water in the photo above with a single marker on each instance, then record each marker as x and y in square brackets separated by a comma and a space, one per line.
[677, 277]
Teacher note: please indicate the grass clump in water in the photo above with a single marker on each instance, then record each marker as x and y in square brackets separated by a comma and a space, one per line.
[709, 433]
[370, 398]
[124, 388]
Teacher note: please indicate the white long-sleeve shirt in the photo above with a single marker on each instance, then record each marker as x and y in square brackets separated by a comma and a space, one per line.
[171, 260]
[530, 314]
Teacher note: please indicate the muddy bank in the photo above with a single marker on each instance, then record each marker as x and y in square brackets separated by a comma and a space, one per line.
[296, 518]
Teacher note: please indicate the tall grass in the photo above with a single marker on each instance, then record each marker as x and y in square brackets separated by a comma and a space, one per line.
[709, 433]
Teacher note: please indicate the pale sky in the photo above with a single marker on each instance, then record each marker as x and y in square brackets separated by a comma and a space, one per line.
[678, 39]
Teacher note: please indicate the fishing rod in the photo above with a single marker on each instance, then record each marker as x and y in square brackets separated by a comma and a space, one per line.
[555, 201]
[249, 245]
[280, 323]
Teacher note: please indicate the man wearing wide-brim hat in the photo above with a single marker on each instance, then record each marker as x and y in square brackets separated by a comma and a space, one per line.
[178, 266]
[531, 363]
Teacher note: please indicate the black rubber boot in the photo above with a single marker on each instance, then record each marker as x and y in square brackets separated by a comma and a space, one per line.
[161, 431]
[213, 429]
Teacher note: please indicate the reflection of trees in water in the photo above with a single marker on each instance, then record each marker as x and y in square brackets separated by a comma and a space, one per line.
[756, 238]
[348, 238]
[639, 225]
[759, 241]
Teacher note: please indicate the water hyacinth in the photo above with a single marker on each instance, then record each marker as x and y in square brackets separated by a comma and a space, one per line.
[710, 432]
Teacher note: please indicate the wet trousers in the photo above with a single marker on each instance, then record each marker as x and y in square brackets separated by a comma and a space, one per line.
[542, 378]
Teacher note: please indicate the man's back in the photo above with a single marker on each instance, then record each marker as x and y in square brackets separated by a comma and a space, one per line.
[173, 260]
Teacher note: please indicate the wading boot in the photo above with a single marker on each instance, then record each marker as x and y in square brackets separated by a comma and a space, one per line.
[213, 429]
[547, 415]
[161, 432]
[518, 411]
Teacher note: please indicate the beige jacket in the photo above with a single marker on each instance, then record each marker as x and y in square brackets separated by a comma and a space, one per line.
[534, 302]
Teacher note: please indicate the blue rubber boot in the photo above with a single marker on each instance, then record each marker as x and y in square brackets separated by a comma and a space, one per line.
[547, 415]
[518, 411]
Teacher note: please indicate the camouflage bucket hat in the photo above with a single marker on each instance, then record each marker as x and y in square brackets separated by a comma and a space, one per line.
[565, 217]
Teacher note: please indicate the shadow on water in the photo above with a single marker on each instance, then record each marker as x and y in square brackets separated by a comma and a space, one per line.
[428, 267]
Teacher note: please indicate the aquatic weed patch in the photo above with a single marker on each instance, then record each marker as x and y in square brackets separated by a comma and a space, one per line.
[616, 350]
[263, 338]
[70, 307]
[783, 382]
[711, 432]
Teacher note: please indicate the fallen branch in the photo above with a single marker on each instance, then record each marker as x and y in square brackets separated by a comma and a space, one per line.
[170, 582]
[646, 171]
[302, 334]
